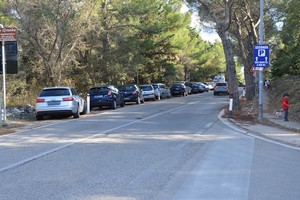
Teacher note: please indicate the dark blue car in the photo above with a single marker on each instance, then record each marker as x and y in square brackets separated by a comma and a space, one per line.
[178, 89]
[132, 93]
[108, 95]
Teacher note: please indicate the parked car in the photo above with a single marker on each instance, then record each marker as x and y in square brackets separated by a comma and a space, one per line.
[168, 93]
[161, 90]
[148, 92]
[132, 93]
[188, 86]
[107, 95]
[178, 89]
[203, 87]
[198, 87]
[221, 88]
[59, 101]
[210, 85]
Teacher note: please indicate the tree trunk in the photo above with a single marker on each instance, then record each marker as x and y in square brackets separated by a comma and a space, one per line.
[247, 59]
[230, 68]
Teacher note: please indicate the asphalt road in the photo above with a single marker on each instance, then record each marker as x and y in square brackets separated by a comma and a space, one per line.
[172, 149]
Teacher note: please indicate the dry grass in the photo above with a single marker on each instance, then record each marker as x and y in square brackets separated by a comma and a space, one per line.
[290, 85]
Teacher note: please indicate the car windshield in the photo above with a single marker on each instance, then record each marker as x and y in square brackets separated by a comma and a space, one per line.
[146, 87]
[55, 92]
[155, 86]
[221, 84]
[99, 90]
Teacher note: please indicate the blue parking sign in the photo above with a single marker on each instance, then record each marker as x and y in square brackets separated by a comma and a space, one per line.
[261, 55]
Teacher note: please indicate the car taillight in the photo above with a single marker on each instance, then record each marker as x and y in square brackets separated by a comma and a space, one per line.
[40, 100]
[68, 99]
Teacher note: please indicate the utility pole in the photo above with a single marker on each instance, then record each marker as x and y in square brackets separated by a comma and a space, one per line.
[261, 75]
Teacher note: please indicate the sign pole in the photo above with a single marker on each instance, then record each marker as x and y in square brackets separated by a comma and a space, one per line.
[4, 82]
[261, 75]
[7, 34]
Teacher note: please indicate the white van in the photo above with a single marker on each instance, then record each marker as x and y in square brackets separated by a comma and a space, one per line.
[219, 78]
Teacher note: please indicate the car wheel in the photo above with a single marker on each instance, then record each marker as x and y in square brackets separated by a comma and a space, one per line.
[39, 117]
[122, 104]
[113, 104]
[76, 115]
[84, 109]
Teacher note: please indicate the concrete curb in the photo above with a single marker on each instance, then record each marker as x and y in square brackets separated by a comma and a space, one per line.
[287, 139]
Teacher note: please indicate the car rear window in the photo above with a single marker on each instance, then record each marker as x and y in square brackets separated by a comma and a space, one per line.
[54, 92]
[177, 85]
[221, 84]
[146, 87]
[127, 87]
[99, 90]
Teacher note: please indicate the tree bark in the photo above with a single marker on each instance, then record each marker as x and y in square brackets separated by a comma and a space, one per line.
[247, 57]
[230, 68]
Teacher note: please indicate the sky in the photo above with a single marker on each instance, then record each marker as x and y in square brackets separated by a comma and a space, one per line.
[209, 36]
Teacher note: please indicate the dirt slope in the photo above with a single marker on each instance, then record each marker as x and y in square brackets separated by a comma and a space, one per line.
[290, 85]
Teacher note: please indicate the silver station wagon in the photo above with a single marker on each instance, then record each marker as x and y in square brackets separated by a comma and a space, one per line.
[59, 101]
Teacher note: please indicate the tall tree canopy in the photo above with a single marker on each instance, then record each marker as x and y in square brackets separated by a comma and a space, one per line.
[92, 42]
[219, 14]
[287, 57]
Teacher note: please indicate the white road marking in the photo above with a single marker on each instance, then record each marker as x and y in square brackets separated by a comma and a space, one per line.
[22, 162]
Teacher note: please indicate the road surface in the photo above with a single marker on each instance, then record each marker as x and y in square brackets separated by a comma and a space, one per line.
[174, 149]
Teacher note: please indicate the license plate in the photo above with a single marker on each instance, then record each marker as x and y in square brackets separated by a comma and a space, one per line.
[126, 98]
[98, 96]
[53, 103]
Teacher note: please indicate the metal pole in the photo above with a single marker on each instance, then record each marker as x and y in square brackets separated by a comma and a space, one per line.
[88, 107]
[261, 75]
[4, 84]
[0, 109]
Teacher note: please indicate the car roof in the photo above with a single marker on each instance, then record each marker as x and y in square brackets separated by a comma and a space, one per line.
[58, 87]
[127, 84]
[146, 85]
[100, 86]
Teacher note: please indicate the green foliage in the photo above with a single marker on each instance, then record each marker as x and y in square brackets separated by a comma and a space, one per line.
[87, 43]
[287, 60]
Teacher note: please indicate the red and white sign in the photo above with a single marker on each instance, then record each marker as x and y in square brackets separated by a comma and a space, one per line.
[256, 69]
[8, 34]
